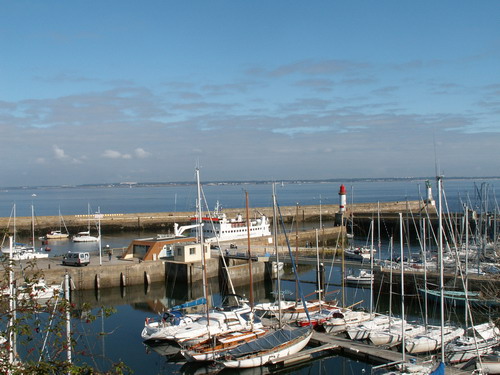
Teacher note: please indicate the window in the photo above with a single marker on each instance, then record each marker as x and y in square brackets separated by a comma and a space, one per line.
[192, 250]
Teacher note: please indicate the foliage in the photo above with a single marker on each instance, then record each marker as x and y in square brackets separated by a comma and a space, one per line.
[39, 328]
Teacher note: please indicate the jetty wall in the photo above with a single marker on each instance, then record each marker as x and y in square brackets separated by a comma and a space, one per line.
[164, 221]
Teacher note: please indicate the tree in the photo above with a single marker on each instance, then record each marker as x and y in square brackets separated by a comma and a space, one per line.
[34, 338]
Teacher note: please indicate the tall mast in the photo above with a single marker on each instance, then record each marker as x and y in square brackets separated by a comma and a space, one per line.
[296, 252]
[402, 288]
[200, 239]
[275, 239]
[249, 252]
[424, 234]
[318, 269]
[372, 277]
[33, 226]
[440, 255]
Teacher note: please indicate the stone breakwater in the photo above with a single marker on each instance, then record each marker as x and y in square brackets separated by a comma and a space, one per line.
[116, 222]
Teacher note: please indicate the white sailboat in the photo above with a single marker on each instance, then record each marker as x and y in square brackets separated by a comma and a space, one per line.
[58, 234]
[478, 340]
[85, 236]
[395, 334]
[276, 344]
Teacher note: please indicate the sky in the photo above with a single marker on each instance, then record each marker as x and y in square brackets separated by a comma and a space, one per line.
[146, 91]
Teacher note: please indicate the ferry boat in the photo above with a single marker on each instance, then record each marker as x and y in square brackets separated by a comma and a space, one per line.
[219, 227]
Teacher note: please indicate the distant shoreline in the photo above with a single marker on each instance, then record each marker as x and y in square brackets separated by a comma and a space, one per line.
[252, 182]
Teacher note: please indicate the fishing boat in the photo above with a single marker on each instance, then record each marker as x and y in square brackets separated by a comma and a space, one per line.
[277, 344]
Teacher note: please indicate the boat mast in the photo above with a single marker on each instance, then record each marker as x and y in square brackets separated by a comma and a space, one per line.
[275, 239]
[402, 289]
[440, 255]
[33, 226]
[200, 239]
[371, 269]
[390, 278]
[466, 259]
[249, 252]
[296, 251]
[424, 250]
[343, 256]
[318, 270]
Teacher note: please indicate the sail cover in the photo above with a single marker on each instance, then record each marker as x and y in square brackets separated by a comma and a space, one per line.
[268, 342]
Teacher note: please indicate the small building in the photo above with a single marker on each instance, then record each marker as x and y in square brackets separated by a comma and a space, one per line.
[155, 248]
[190, 252]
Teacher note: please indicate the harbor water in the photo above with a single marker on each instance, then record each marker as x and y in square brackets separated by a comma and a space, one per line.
[107, 340]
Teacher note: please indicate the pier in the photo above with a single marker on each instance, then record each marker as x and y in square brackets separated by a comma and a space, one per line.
[163, 221]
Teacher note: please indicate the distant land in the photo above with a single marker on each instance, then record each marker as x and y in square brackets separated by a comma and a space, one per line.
[242, 182]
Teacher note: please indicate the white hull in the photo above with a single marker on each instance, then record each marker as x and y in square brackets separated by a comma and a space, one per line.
[393, 335]
[162, 331]
[432, 341]
[218, 322]
[363, 330]
[478, 340]
[351, 318]
[490, 364]
[85, 239]
[220, 228]
[226, 342]
[263, 358]
[60, 236]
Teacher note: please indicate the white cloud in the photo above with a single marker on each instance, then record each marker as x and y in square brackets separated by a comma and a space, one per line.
[141, 153]
[112, 154]
[59, 153]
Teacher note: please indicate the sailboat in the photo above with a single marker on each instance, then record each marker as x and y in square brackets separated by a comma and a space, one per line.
[393, 334]
[171, 321]
[85, 236]
[212, 347]
[58, 234]
[22, 251]
[478, 340]
[276, 344]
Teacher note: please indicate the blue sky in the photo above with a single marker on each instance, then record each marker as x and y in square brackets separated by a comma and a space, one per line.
[110, 91]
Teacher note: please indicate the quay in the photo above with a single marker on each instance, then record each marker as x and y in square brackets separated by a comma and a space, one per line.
[369, 353]
[163, 221]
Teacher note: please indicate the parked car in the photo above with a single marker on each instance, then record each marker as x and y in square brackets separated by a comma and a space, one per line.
[76, 259]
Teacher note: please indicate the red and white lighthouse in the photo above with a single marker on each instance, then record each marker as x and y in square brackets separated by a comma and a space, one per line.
[342, 198]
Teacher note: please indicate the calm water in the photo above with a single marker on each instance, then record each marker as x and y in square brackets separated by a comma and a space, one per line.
[121, 339]
[75, 201]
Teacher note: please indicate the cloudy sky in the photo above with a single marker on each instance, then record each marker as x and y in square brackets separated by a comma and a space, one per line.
[119, 90]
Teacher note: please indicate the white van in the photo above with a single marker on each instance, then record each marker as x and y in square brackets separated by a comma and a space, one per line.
[76, 259]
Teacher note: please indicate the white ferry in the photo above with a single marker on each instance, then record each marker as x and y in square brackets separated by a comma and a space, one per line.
[224, 229]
